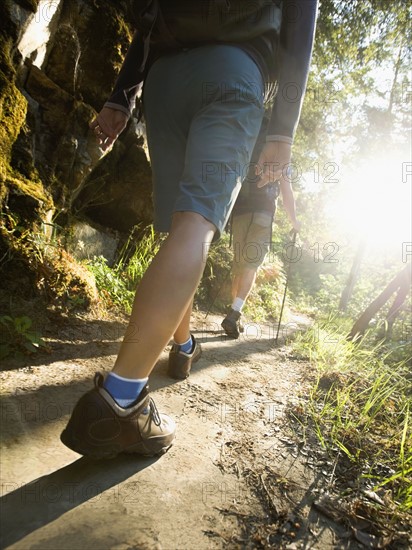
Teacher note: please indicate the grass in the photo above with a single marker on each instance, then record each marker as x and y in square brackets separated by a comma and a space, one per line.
[111, 286]
[117, 284]
[359, 407]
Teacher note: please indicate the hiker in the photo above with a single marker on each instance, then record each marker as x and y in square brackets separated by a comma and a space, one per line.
[251, 232]
[206, 67]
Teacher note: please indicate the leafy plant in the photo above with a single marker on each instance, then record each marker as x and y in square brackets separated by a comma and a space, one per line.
[17, 336]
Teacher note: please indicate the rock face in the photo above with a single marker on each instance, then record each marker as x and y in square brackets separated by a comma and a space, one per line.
[59, 60]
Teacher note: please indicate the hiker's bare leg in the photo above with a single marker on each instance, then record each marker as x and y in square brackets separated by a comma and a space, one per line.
[245, 284]
[235, 286]
[165, 294]
[182, 333]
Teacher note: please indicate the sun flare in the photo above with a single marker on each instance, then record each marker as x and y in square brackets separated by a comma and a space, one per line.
[373, 202]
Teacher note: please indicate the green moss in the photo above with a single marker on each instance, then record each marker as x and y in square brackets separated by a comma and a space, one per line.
[13, 110]
[24, 199]
[71, 282]
[13, 107]
[19, 185]
[55, 273]
[13, 113]
[104, 45]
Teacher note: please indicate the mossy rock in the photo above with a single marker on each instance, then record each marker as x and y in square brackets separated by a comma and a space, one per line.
[25, 198]
[23, 192]
[13, 111]
[22, 151]
[35, 155]
[64, 279]
[48, 268]
[118, 193]
[103, 45]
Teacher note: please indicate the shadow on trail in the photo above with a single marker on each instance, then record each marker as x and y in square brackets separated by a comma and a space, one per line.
[31, 506]
[25, 412]
[76, 338]
[70, 340]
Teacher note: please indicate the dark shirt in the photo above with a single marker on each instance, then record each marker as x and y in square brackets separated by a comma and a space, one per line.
[288, 61]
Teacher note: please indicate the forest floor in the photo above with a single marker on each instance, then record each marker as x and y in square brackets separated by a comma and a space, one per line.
[237, 476]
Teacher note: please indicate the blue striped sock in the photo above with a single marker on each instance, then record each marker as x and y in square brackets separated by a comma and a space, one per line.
[124, 391]
[187, 347]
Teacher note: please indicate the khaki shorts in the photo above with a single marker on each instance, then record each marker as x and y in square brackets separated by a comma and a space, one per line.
[251, 240]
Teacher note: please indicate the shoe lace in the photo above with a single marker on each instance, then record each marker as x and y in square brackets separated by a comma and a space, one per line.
[154, 413]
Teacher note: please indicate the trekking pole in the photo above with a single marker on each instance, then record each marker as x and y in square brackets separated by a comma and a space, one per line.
[286, 286]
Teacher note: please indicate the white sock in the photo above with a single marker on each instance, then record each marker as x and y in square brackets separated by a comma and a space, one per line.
[238, 304]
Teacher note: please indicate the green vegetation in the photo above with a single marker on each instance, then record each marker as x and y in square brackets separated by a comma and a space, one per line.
[117, 284]
[54, 272]
[214, 290]
[359, 406]
[351, 143]
[18, 337]
[356, 114]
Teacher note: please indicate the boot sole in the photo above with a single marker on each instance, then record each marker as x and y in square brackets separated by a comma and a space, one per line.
[101, 454]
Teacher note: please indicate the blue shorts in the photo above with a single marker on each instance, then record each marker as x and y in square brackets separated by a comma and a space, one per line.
[203, 109]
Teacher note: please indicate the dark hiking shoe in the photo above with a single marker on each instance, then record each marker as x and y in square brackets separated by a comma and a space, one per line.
[100, 428]
[231, 324]
[180, 362]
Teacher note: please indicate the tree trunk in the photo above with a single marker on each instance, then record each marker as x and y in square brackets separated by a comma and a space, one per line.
[402, 282]
[396, 307]
[353, 276]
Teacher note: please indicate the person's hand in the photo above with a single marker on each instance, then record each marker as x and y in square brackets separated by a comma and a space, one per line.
[273, 162]
[108, 125]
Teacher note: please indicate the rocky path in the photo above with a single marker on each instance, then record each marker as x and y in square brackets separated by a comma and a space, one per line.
[235, 477]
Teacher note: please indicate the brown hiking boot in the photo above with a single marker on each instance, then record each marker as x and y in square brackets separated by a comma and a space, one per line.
[180, 362]
[231, 324]
[100, 428]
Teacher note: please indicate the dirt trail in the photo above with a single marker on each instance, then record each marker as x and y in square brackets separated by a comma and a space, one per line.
[232, 473]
